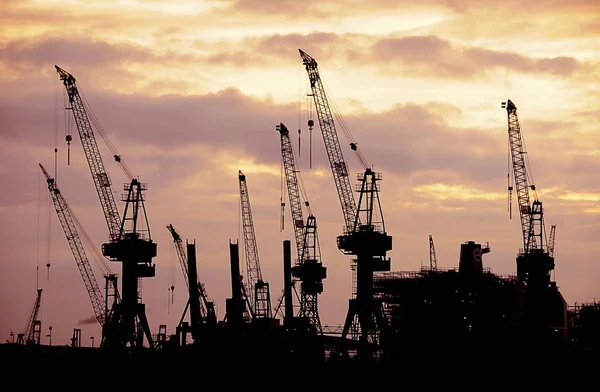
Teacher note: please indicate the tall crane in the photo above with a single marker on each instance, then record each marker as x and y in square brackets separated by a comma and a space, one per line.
[308, 269]
[130, 242]
[201, 309]
[33, 328]
[85, 269]
[365, 236]
[534, 262]
[258, 295]
[432, 255]
[102, 309]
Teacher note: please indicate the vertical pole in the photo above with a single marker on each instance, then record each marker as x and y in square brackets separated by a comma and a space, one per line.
[287, 281]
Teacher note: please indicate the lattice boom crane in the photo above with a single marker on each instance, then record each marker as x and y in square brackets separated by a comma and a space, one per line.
[68, 224]
[534, 263]
[289, 165]
[258, 290]
[309, 269]
[531, 213]
[365, 238]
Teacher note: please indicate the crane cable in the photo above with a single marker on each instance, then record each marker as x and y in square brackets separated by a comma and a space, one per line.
[349, 138]
[37, 268]
[93, 119]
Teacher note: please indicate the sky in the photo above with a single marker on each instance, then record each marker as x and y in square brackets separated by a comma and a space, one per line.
[190, 92]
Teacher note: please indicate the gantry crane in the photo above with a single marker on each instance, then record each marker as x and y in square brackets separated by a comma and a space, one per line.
[33, 329]
[308, 269]
[534, 262]
[130, 242]
[258, 293]
[202, 311]
[365, 237]
[432, 255]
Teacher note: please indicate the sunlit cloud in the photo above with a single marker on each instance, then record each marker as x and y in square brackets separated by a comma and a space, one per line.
[460, 192]
[575, 196]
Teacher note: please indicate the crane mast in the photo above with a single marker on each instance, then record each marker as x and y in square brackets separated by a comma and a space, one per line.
[85, 269]
[339, 167]
[308, 269]
[92, 154]
[258, 295]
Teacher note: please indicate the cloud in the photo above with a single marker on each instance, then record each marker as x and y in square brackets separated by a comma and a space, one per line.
[429, 56]
[88, 321]
[76, 52]
[416, 56]
[413, 56]
[340, 8]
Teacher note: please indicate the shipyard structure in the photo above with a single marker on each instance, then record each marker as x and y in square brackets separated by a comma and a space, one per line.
[468, 307]
[441, 311]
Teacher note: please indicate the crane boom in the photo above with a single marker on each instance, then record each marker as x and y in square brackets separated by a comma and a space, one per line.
[181, 255]
[289, 165]
[552, 240]
[432, 255]
[92, 154]
[68, 224]
[33, 317]
[206, 306]
[339, 167]
[253, 272]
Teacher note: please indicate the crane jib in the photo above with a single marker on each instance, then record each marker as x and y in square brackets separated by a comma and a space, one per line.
[93, 156]
[67, 222]
[337, 163]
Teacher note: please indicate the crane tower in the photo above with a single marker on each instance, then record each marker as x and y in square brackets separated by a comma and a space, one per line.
[364, 237]
[130, 242]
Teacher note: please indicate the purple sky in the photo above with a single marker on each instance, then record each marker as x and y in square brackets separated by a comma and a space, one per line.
[190, 94]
